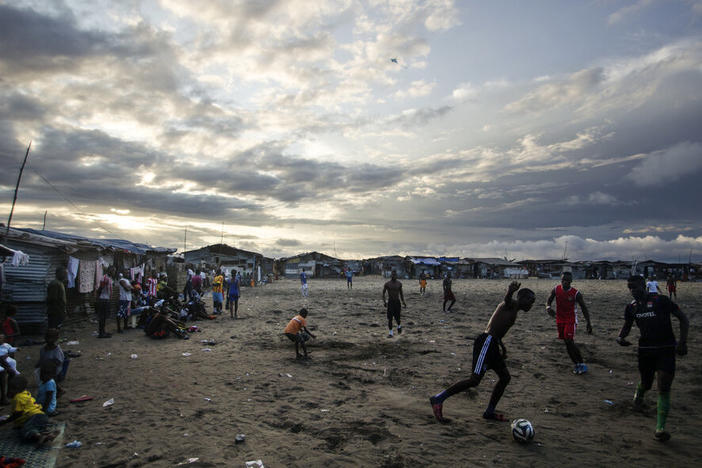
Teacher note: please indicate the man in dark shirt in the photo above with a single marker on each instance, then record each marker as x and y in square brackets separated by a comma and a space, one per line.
[56, 299]
[657, 345]
[448, 293]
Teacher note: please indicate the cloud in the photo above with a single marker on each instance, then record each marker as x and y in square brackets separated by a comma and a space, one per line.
[628, 11]
[417, 88]
[666, 166]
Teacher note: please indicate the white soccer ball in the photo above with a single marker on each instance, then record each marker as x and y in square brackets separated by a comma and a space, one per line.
[522, 430]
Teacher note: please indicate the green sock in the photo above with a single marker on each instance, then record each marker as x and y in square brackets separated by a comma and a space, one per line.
[663, 408]
[639, 393]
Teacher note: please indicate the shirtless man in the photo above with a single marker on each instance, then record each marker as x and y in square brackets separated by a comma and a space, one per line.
[394, 289]
[486, 354]
[448, 292]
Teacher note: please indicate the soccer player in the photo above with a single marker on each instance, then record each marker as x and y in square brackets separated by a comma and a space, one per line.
[303, 282]
[422, 283]
[567, 301]
[394, 290]
[652, 285]
[657, 346]
[349, 278]
[448, 293]
[672, 287]
[486, 354]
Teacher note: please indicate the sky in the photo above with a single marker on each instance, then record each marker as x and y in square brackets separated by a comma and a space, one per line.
[525, 130]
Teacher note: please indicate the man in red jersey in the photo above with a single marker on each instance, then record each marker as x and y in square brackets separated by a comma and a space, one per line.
[567, 301]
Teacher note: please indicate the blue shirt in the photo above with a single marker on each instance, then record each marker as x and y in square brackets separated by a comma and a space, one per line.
[234, 286]
[349, 274]
[44, 388]
[303, 278]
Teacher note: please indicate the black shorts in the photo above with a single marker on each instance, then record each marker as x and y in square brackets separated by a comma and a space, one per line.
[301, 337]
[486, 354]
[662, 359]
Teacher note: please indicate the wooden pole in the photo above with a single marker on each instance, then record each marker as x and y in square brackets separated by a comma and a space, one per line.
[43, 227]
[19, 178]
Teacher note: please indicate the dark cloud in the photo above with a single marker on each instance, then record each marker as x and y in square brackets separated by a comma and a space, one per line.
[35, 41]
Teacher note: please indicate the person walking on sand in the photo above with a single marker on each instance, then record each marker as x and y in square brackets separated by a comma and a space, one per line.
[233, 292]
[657, 346]
[422, 283]
[349, 278]
[303, 282]
[448, 292]
[566, 314]
[486, 354]
[218, 292]
[394, 290]
[671, 285]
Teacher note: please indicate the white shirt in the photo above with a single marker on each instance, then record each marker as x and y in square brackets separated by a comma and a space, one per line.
[124, 293]
[652, 286]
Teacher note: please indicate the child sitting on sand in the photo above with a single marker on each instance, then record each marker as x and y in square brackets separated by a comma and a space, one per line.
[298, 333]
[51, 352]
[27, 415]
[46, 395]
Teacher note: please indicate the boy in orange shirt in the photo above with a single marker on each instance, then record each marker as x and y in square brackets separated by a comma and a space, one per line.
[298, 333]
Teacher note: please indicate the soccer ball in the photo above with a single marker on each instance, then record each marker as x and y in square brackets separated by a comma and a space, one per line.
[522, 430]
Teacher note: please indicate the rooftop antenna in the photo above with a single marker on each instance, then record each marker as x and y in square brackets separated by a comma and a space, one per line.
[221, 240]
[565, 251]
[185, 240]
[43, 227]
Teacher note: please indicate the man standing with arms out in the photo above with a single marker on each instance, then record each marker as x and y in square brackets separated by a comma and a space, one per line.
[486, 354]
[303, 282]
[56, 302]
[657, 346]
[448, 293]
[394, 290]
[567, 301]
[349, 278]
[422, 283]
[103, 302]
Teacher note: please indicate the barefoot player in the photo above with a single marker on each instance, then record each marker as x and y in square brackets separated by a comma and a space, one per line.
[657, 345]
[394, 290]
[486, 354]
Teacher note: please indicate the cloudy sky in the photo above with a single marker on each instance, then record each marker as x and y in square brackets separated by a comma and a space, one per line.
[359, 127]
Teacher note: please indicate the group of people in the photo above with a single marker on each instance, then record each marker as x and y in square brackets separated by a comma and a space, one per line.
[650, 310]
[30, 414]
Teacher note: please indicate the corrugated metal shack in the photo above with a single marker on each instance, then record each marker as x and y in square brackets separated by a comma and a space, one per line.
[26, 285]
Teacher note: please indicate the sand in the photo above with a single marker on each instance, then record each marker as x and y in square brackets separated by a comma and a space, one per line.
[362, 398]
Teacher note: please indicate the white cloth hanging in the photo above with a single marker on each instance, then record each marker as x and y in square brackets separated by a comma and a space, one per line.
[72, 271]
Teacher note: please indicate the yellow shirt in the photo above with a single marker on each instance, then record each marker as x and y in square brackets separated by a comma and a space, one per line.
[295, 325]
[24, 403]
[217, 284]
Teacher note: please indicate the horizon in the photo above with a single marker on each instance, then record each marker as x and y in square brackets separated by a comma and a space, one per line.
[359, 127]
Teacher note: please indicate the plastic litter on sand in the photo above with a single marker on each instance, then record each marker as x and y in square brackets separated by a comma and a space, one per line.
[255, 464]
[109, 402]
[74, 444]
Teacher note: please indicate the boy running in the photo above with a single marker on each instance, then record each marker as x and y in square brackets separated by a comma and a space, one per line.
[448, 293]
[486, 354]
[657, 345]
[567, 301]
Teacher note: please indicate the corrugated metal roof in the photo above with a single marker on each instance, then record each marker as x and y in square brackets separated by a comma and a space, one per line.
[114, 244]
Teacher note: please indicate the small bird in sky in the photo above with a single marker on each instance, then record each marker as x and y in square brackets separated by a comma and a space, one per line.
[393, 60]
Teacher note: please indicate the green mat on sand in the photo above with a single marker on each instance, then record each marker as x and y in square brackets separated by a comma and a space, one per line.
[11, 446]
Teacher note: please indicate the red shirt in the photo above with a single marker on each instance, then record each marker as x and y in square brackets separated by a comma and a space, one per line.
[566, 306]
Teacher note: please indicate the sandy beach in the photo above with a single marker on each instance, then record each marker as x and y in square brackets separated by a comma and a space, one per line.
[362, 398]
